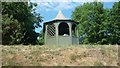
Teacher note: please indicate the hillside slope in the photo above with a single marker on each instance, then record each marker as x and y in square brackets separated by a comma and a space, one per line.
[82, 55]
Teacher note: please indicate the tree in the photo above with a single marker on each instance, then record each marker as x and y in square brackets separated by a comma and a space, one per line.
[20, 13]
[41, 38]
[81, 15]
[90, 16]
[98, 25]
[11, 30]
[114, 24]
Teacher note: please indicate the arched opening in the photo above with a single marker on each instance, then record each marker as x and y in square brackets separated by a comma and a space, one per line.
[63, 29]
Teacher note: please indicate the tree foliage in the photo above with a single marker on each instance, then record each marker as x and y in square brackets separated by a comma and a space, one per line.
[18, 23]
[41, 38]
[98, 25]
[114, 23]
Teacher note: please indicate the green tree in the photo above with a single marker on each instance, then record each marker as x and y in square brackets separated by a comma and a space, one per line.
[11, 30]
[96, 24]
[98, 30]
[41, 38]
[114, 24]
[20, 14]
[81, 15]
[90, 17]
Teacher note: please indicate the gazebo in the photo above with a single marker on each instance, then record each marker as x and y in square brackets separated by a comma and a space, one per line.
[61, 31]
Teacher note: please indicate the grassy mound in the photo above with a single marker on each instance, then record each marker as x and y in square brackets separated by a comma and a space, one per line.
[81, 55]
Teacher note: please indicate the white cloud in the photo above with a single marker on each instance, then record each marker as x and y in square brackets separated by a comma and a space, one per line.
[48, 5]
[57, 5]
[73, 0]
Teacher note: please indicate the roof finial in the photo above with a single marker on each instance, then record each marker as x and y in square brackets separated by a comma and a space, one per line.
[60, 10]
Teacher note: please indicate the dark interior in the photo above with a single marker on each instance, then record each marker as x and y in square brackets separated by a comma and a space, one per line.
[63, 28]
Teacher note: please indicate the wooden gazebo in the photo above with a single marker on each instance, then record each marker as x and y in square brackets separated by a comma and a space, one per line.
[61, 31]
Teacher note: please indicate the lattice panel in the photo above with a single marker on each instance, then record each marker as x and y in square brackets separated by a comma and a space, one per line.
[51, 30]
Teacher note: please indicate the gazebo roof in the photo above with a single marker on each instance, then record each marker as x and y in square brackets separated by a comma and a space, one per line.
[60, 16]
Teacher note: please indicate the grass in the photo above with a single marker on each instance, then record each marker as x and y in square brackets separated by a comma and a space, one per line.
[98, 63]
[80, 55]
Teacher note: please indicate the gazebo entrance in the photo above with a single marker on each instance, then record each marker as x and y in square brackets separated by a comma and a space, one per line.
[65, 30]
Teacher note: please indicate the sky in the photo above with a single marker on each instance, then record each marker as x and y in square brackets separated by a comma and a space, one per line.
[49, 8]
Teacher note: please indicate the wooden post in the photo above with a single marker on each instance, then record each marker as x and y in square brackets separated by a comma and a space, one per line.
[70, 31]
[56, 28]
[77, 34]
[46, 34]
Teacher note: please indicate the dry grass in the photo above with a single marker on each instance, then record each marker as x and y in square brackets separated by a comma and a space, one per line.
[0, 56]
[82, 55]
